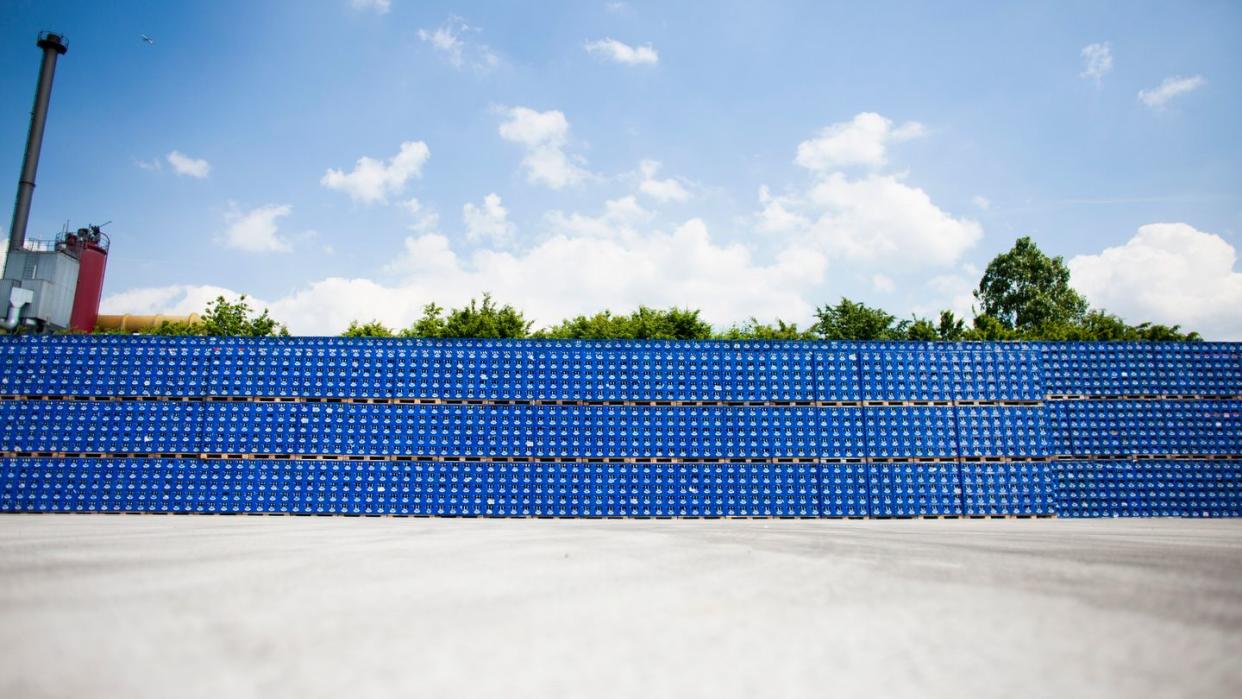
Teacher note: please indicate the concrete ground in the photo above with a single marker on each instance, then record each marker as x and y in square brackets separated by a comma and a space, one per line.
[200, 606]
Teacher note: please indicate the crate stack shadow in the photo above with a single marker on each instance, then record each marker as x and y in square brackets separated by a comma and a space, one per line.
[619, 429]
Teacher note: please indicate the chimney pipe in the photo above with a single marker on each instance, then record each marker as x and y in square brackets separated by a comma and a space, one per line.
[53, 47]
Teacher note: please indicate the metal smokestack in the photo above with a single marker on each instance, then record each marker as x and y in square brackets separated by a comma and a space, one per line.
[53, 47]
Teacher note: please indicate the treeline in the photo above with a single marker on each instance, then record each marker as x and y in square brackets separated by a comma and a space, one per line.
[1023, 295]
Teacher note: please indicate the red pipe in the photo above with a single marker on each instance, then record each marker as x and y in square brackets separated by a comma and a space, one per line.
[92, 260]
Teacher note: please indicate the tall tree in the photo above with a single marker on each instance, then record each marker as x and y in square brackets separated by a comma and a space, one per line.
[754, 330]
[950, 328]
[371, 329]
[479, 320]
[851, 320]
[643, 324]
[1024, 289]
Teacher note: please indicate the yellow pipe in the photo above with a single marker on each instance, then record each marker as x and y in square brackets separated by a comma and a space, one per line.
[133, 323]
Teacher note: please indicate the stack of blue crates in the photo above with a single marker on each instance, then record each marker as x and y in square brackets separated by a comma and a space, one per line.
[619, 428]
[843, 490]
[1125, 427]
[1014, 431]
[910, 489]
[1150, 488]
[1178, 400]
[911, 432]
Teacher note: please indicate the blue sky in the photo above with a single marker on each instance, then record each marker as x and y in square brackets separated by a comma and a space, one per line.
[749, 159]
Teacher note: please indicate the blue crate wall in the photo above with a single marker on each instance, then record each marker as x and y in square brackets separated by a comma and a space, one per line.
[100, 426]
[545, 489]
[526, 430]
[1099, 368]
[911, 431]
[540, 372]
[1196, 427]
[123, 485]
[1016, 431]
[1007, 488]
[1149, 488]
[838, 371]
[1198, 368]
[941, 372]
[913, 489]
[841, 433]
[996, 372]
[906, 374]
[281, 369]
[9, 353]
[165, 368]
[843, 490]
[1143, 368]
[254, 428]
[1125, 427]
[467, 488]
[719, 490]
[1057, 427]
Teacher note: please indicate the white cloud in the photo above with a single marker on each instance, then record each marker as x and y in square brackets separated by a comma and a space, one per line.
[444, 40]
[152, 165]
[776, 216]
[877, 219]
[1097, 61]
[183, 164]
[488, 222]
[449, 41]
[954, 291]
[883, 283]
[373, 180]
[1171, 87]
[426, 220]
[620, 218]
[880, 217]
[1167, 273]
[861, 141]
[620, 52]
[661, 190]
[181, 299]
[981, 201]
[543, 134]
[380, 6]
[577, 274]
[256, 230]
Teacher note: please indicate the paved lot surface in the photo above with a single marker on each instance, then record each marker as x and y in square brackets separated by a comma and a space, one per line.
[157, 606]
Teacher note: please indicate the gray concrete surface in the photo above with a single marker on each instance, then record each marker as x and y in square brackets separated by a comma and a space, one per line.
[158, 606]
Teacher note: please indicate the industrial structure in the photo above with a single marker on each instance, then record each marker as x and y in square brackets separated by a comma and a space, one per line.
[49, 285]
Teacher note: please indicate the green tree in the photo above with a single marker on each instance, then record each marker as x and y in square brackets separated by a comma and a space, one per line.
[643, 324]
[921, 329]
[477, 320]
[987, 328]
[601, 326]
[223, 318]
[238, 319]
[1103, 326]
[371, 329]
[754, 330]
[173, 328]
[950, 328]
[670, 324]
[1023, 288]
[850, 320]
[429, 325]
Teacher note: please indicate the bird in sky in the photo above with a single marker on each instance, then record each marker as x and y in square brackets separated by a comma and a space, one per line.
[148, 40]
